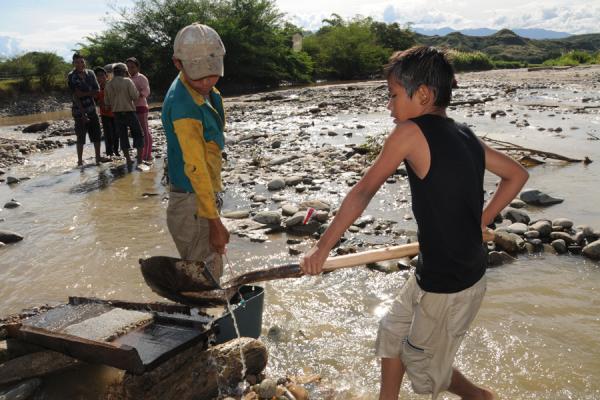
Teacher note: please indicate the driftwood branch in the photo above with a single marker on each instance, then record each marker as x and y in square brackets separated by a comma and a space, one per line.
[508, 147]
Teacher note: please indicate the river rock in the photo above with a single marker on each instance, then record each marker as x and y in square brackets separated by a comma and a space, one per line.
[282, 160]
[289, 209]
[267, 389]
[237, 214]
[9, 237]
[10, 180]
[509, 242]
[309, 228]
[39, 127]
[364, 221]
[293, 180]
[518, 227]
[563, 222]
[517, 203]
[516, 215]
[321, 216]
[496, 258]
[543, 227]
[21, 391]
[12, 204]
[592, 250]
[268, 218]
[276, 184]
[562, 235]
[316, 204]
[560, 246]
[295, 219]
[535, 197]
[532, 234]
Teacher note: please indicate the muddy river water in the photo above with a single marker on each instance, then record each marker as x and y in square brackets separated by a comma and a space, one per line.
[537, 335]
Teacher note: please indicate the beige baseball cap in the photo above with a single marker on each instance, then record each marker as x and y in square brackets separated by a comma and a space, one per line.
[200, 49]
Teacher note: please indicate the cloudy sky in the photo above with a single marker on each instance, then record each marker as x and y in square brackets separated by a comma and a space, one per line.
[58, 25]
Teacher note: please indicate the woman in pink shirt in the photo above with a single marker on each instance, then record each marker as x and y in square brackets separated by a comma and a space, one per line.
[141, 105]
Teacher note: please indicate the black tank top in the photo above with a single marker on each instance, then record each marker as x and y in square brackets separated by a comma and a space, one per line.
[447, 204]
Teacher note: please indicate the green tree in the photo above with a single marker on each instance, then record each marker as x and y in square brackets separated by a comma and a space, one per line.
[393, 36]
[48, 67]
[346, 50]
[257, 41]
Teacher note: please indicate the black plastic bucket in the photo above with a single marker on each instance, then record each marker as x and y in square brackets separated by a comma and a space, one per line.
[247, 315]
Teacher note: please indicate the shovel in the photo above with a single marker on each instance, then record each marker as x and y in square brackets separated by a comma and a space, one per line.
[202, 290]
[190, 283]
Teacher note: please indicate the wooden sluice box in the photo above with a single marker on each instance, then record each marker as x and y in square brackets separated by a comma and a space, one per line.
[135, 337]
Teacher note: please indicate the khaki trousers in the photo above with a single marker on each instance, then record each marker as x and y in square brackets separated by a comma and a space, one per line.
[191, 233]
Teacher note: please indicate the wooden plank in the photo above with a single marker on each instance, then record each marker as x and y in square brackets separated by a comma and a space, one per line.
[154, 306]
[119, 356]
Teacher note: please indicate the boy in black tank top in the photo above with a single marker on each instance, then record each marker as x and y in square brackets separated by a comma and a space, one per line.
[445, 161]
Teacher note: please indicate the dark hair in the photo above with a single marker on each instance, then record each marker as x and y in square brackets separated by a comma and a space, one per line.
[77, 56]
[99, 70]
[423, 65]
[133, 60]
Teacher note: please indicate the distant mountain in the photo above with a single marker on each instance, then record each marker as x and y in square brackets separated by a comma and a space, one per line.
[507, 45]
[8, 46]
[527, 33]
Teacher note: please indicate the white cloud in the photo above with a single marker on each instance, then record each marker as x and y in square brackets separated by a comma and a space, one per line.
[574, 16]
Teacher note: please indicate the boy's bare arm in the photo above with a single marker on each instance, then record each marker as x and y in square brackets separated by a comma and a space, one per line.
[512, 178]
[395, 150]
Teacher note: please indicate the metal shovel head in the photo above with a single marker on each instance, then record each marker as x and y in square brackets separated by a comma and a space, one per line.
[169, 276]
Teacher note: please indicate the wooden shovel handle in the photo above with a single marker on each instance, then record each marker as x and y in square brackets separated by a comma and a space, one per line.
[386, 253]
[370, 256]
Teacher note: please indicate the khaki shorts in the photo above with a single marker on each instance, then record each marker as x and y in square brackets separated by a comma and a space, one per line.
[425, 330]
[191, 233]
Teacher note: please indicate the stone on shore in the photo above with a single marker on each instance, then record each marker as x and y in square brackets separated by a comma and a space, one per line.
[592, 250]
[268, 218]
[12, 204]
[238, 214]
[316, 204]
[39, 127]
[563, 223]
[543, 227]
[10, 237]
[509, 242]
[516, 215]
[537, 198]
[276, 184]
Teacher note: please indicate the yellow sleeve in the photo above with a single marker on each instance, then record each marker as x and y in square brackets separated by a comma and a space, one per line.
[190, 134]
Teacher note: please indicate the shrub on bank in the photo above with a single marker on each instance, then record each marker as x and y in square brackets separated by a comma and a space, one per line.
[501, 64]
[470, 61]
[574, 58]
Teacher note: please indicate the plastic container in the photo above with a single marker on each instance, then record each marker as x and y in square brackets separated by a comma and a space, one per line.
[247, 315]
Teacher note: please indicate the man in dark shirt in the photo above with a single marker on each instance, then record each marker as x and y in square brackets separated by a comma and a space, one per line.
[84, 87]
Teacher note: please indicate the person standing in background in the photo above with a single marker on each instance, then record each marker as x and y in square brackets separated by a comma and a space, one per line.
[141, 104]
[120, 93]
[84, 87]
[111, 140]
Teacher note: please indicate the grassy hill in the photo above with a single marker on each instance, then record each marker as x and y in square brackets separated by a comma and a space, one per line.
[507, 45]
